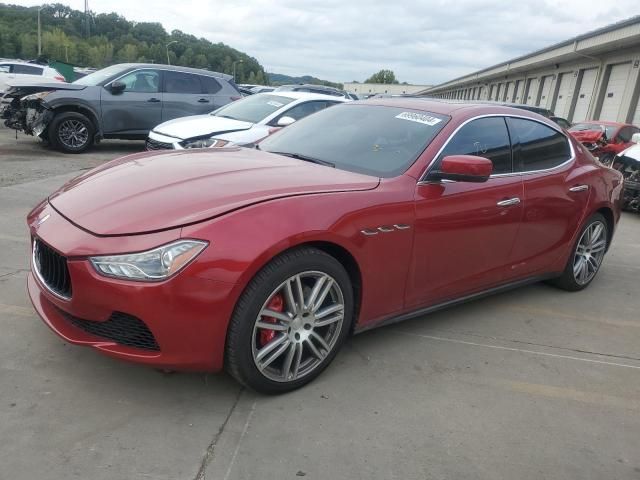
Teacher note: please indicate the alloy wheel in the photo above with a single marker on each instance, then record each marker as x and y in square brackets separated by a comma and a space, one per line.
[73, 134]
[589, 252]
[298, 326]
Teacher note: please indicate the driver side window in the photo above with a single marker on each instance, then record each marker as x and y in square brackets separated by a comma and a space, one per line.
[142, 81]
[485, 137]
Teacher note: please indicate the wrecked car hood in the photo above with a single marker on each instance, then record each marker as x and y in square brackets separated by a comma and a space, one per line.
[25, 86]
[200, 125]
[589, 136]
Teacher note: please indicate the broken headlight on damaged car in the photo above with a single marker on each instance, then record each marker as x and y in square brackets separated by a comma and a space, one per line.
[152, 265]
[204, 143]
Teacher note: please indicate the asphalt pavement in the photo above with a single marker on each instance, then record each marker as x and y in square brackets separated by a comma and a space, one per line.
[535, 383]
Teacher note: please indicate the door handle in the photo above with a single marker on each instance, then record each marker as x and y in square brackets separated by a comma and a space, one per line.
[153, 100]
[579, 188]
[508, 202]
[203, 100]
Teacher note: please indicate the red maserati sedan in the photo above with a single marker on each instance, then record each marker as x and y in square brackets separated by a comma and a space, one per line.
[262, 260]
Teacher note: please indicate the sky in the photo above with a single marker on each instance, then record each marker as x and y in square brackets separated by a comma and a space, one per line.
[424, 42]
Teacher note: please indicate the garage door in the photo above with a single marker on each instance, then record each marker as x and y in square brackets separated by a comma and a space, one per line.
[615, 89]
[500, 91]
[545, 91]
[563, 98]
[585, 94]
[532, 91]
[518, 94]
[509, 92]
[636, 116]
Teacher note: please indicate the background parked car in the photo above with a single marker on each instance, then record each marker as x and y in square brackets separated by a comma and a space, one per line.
[262, 89]
[242, 122]
[17, 70]
[313, 89]
[122, 101]
[627, 162]
[604, 139]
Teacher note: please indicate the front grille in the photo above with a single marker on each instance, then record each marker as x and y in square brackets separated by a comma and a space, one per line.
[51, 268]
[121, 328]
[156, 145]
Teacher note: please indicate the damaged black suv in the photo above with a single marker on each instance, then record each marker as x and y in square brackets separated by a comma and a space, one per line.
[123, 101]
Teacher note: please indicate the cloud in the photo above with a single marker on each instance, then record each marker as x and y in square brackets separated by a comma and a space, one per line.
[422, 41]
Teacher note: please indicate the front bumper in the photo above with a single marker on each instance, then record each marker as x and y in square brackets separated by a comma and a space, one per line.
[157, 141]
[187, 314]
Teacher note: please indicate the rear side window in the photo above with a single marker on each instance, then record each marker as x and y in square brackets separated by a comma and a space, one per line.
[27, 69]
[485, 137]
[625, 134]
[539, 147]
[210, 85]
[177, 82]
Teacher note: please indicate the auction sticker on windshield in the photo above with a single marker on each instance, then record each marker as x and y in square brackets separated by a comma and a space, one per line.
[275, 104]
[419, 117]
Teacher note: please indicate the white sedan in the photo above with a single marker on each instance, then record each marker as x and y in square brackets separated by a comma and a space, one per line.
[242, 122]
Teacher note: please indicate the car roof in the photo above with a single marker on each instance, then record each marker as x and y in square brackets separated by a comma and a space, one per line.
[304, 95]
[177, 68]
[447, 106]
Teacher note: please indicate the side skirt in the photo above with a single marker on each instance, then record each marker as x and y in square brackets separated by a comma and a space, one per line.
[458, 301]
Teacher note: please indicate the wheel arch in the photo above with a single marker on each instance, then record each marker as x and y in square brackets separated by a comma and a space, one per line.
[86, 111]
[607, 213]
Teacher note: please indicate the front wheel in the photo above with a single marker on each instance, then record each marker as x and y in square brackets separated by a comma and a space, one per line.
[71, 132]
[290, 322]
[587, 255]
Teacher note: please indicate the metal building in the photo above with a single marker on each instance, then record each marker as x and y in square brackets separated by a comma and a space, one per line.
[593, 76]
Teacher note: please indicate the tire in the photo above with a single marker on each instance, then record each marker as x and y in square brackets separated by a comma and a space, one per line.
[299, 356]
[571, 279]
[71, 132]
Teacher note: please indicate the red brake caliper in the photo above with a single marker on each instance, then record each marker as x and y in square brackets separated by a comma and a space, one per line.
[277, 305]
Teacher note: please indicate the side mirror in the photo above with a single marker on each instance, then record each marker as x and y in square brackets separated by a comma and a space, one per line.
[463, 168]
[635, 138]
[284, 121]
[118, 87]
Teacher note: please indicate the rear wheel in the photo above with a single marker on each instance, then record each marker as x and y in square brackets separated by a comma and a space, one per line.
[290, 322]
[586, 256]
[71, 132]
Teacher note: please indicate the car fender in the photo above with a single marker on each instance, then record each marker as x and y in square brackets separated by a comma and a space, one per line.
[244, 241]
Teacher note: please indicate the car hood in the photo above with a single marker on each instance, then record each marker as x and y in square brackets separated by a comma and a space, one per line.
[588, 136]
[200, 126]
[150, 192]
[25, 87]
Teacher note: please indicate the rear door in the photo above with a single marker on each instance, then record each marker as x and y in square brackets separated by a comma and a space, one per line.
[184, 95]
[554, 196]
[137, 109]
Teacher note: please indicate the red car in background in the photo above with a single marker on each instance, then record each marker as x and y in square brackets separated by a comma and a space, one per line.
[604, 139]
[262, 261]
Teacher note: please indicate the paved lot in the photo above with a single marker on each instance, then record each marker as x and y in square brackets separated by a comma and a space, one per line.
[535, 383]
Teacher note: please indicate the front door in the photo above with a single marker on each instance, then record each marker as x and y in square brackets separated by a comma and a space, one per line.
[465, 232]
[137, 109]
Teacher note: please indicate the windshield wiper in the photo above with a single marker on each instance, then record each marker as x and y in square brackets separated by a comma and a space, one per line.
[299, 156]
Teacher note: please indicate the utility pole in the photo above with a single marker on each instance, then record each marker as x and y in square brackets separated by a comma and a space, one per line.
[167, 46]
[87, 18]
[234, 69]
[39, 34]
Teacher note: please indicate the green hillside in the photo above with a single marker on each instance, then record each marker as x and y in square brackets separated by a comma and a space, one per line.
[113, 39]
[280, 79]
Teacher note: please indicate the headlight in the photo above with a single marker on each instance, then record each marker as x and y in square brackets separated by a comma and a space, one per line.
[36, 96]
[157, 264]
[204, 143]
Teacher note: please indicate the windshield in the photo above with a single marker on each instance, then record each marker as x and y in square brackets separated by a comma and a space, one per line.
[371, 139]
[97, 78]
[583, 127]
[254, 108]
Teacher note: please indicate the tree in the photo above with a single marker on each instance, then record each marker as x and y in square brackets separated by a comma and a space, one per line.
[383, 76]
